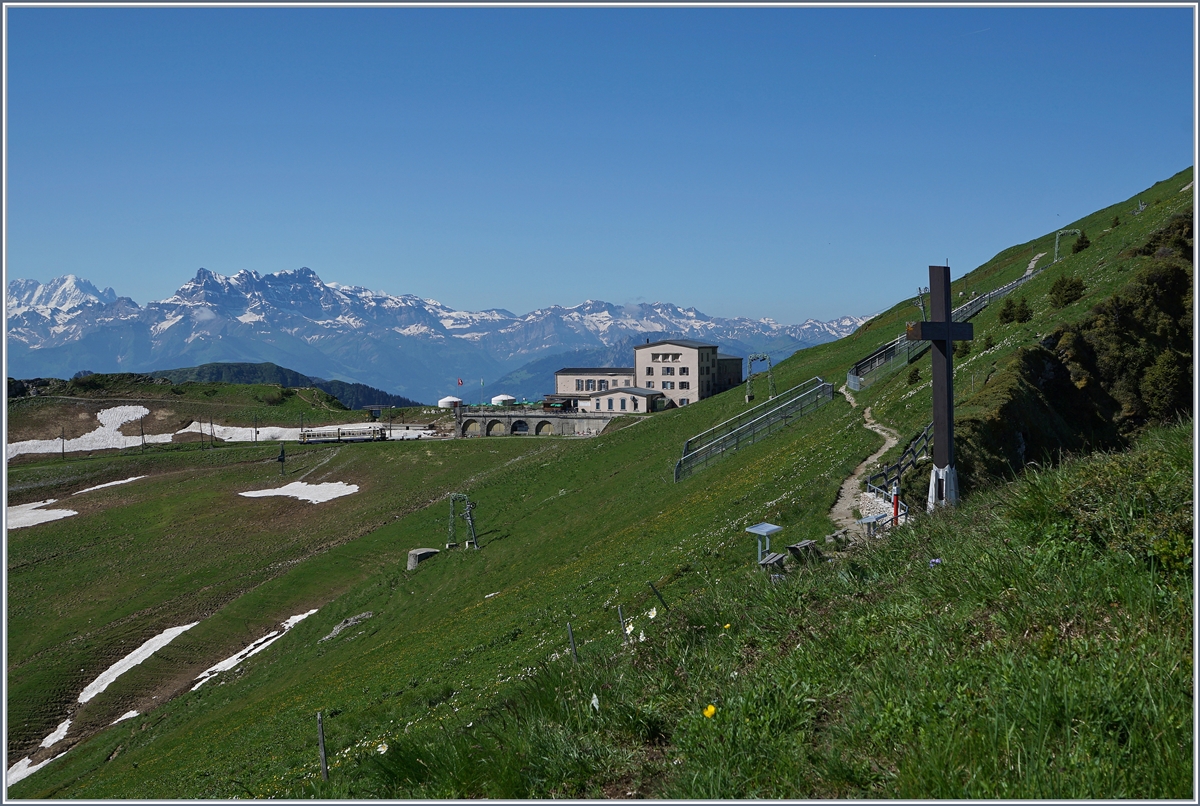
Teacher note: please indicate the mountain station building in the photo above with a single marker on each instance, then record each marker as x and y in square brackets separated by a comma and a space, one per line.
[685, 370]
[666, 374]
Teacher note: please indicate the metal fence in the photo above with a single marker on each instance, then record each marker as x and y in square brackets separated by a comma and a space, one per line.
[751, 426]
[920, 448]
[867, 370]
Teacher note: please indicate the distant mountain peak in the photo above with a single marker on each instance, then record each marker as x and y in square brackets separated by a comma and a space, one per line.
[415, 346]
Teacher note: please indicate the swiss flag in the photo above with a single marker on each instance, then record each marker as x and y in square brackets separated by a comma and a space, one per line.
[460, 381]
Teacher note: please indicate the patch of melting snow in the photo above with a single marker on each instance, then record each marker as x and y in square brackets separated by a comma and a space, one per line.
[59, 734]
[237, 433]
[124, 716]
[107, 435]
[132, 659]
[23, 515]
[314, 493]
[109, 484]
[23, 769]
[258, 646]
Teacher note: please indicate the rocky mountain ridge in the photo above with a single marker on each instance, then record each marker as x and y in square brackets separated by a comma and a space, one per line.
[416, 346]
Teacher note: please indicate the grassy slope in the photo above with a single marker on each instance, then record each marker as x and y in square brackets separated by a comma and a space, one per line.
[73, 408]
[566, 534]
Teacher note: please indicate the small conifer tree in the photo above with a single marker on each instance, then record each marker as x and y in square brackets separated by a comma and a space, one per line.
[1116, 222]
[1022, 311]
[1081, 244]
[1008, 311]
[1066, 290]
[962, 349]
[988, 342]
[914, 375]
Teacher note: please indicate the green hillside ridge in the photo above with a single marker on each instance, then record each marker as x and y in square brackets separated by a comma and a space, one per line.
[570, 529]
[351, 395]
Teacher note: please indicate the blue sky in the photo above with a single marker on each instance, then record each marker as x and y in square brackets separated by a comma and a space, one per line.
[785, 162]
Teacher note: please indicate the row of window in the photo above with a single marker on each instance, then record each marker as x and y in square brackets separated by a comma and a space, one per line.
[592, 385]
[632, 400]
[665, 356]
[670, 384]
[667, 370]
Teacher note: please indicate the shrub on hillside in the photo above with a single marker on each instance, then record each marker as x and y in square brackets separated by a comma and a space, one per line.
[962, 349]
[1176, 235]
[1080, 244]
[1007, 312]
[1136, 347]
[914, 376]
[1021, 311]
[1066, 290]
[1166, 386]
[988, 342]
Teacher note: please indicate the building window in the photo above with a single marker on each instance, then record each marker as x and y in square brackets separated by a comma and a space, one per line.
[649, 384]
[627, 382]
[610, 404]
[683, 401]
[579, 384]
[591, 385]
[597, 404]
[649, 371]
[675, 356]
[668, 371]
[684, 385]
[668, 385]
[683, 370]
[655, 356]
[603, 386]
[622, 404]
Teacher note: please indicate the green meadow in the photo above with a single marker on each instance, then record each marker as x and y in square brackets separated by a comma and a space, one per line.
[1047, 655]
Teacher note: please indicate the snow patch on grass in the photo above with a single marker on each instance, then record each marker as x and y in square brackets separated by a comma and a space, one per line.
[109, 484]
[59, 734]
[24, 768]
[22, 515]
[132, 659]
[314, 493]
[258, 646]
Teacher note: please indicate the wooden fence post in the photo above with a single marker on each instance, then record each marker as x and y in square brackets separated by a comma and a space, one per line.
[321, 746]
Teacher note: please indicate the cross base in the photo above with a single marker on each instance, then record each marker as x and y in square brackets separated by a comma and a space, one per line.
[943, 488]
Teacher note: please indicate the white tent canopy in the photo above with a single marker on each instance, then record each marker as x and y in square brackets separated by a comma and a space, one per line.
[503, 400]
[449, 402]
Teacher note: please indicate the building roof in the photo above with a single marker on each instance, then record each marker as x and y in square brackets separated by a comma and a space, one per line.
[597, 370]
[679, 342]
[728, 357]
[627, 390]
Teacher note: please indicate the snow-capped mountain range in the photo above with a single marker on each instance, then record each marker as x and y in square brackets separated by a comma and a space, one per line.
[413, 346]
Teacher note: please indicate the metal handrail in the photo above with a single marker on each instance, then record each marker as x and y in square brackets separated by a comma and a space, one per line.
[748, 433]
[720, 429]
[891, 351]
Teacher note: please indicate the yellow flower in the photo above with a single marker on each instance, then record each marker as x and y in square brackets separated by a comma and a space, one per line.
[709, 711]
[727, 626]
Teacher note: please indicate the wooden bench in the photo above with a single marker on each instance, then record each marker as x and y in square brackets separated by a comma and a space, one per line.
[806, 551]
[772, 558]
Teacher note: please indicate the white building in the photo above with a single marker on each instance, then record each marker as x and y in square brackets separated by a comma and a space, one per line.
[685, 370]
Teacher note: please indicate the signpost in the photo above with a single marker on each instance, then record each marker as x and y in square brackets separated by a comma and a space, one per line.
[942, 332]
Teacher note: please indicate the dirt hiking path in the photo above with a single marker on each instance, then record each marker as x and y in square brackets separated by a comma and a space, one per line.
[843, 508]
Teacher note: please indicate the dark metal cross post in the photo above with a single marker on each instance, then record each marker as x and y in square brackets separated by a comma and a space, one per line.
[942, 332]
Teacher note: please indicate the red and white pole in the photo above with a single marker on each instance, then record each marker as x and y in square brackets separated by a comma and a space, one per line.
[896, 503]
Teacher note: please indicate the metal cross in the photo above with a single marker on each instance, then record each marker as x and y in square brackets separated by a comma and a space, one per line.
[942, 332]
